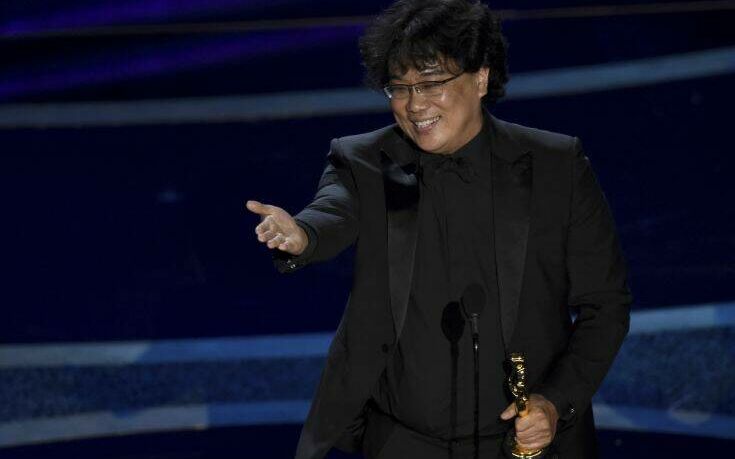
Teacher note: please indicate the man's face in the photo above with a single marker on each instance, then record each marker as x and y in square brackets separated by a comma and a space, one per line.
[443, 123]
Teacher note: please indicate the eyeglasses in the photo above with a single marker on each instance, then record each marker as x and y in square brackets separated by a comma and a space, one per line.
[426, 88]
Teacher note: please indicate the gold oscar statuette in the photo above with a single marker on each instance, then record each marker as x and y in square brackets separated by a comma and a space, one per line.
[517, 385]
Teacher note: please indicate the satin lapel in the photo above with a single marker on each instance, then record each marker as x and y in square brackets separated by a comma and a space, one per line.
[512, 181]
[398, 164]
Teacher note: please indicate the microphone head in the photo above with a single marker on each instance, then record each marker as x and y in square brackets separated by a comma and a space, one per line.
[473, 300]
[452, 322]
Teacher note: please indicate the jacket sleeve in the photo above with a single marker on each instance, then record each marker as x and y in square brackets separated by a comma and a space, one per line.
[597, 288]
[330, 220]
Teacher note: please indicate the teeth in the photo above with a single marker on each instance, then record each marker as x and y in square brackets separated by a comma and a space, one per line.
[426, 123]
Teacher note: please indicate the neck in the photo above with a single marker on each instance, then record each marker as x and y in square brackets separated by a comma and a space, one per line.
[474, 129]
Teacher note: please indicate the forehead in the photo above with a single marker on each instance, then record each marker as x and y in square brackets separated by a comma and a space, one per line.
[412, 73]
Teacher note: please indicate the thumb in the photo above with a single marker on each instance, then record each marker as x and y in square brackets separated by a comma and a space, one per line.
[509, 412]
[258, 208]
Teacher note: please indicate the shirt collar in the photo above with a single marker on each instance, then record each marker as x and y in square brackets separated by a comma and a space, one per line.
[476, 151]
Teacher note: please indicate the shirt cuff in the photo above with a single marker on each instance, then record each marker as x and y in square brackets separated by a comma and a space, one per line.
[287, 263]
[564, 409]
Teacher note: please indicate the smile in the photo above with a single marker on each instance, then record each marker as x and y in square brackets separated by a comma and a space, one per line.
[426, 124]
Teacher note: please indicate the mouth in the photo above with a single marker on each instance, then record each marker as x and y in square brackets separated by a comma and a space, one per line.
[425, 125]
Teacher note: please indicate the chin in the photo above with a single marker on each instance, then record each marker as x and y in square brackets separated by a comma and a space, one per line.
[429, 142]
[430, 145]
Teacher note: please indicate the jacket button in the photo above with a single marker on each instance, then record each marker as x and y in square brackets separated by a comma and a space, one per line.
[385, 348]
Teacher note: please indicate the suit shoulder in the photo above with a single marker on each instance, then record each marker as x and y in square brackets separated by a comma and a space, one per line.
[366, 142]
[540, 140]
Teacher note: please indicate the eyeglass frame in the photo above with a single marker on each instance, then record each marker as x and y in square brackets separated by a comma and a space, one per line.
[415, 86]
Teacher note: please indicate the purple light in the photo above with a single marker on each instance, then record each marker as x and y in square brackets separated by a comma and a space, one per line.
[131, 11]
[102, 67]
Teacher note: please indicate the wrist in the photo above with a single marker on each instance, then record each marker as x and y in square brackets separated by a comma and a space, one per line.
[302, 241]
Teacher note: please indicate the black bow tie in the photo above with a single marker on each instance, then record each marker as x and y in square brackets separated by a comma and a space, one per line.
[460, 166]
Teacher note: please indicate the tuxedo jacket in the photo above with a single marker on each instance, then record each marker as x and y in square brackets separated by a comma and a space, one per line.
[557, 257]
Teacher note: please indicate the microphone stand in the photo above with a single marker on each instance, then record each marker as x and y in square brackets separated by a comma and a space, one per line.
[473, 301]
[476, 354]
[453, 327]
[453, 403]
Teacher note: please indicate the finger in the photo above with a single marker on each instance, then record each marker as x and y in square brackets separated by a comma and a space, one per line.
[259, 208]
[532, 436]
[266, 225]
[285, 245]
[534, 445]
[537, 441]
[532, 425]
[534, 415]
[523, 423]
[267, 235]
[535, 432]
[277, 240]
[509, 412]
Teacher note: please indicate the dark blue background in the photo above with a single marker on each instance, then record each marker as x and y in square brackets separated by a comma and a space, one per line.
[139, 232]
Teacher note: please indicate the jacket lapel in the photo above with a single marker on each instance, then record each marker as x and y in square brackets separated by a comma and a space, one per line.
[398, 164]
[512, 167]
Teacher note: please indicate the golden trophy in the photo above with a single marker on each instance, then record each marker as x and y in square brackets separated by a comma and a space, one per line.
[517, 385]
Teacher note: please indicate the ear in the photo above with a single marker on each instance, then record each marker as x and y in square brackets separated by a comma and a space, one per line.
[482, 78]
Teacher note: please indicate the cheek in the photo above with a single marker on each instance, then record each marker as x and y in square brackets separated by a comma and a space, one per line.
[449, 106]
[458, 110]
[399, 111]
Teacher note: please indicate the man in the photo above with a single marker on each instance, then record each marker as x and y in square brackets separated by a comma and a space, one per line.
[450, 199]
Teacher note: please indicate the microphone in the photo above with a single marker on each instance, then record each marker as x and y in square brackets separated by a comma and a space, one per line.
[452, 322]
[473, 302]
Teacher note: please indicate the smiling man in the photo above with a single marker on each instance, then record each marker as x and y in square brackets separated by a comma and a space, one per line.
[439, 125]
[447, 201]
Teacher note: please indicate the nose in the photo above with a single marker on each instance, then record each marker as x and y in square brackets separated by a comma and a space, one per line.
[416, 102]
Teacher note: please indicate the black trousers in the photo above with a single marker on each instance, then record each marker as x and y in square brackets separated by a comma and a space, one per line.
[385, 438]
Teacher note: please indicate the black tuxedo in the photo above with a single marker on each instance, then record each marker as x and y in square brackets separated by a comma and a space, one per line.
[556, 248]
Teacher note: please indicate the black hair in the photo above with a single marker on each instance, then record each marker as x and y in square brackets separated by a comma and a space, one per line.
[421, 33]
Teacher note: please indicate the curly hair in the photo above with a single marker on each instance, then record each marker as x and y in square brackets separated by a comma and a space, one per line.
[419, 33]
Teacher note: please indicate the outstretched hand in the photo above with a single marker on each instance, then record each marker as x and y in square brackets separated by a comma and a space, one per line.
[536, 428]
[278, 229]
